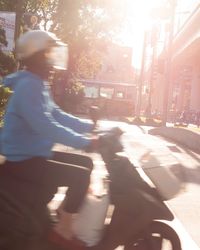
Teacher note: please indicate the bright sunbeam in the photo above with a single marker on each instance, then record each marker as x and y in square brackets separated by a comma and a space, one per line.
[137, 21]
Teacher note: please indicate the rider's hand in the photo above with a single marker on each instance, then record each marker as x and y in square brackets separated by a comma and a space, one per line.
[94, 114]
[111, 138]
[93, 146]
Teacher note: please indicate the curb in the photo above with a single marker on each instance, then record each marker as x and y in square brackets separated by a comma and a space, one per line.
[182, 136]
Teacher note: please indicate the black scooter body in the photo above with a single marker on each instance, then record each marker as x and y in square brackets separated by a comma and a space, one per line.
[136, 206]
[141, 198]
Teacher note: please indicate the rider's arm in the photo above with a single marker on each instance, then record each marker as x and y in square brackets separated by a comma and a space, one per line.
[33, 109]
[68, 120]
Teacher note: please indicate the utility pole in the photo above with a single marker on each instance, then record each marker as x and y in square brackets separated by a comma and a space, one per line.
[149, 107]
[154, 37]
[168, 63]
[141, 78]
[19, 13]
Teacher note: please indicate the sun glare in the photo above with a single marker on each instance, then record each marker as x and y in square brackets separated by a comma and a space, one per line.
[138, 20]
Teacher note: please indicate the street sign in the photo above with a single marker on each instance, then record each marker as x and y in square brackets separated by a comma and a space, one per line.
[7, 22]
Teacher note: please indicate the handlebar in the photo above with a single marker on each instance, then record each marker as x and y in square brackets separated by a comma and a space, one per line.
[94, 113]
[110, 144]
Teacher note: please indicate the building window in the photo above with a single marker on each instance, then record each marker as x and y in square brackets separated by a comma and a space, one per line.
[110, 69]
[91, 92]
[120, 94]
[106, 92]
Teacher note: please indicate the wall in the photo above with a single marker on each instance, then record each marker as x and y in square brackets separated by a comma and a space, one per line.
[195, 90]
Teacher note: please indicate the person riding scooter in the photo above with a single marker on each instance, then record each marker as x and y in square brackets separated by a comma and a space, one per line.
[33, 123]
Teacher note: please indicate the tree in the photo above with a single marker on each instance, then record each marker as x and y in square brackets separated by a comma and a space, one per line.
[80, 23]
[3, 40]
[74, 94]
[7, 65]
[45, 9]
[86, 26]
[88, 64]
[7, 61]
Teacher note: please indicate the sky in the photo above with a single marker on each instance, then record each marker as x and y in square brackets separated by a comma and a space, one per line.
[139, 20]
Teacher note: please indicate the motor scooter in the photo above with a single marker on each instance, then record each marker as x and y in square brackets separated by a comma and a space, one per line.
[138, 221]
[139, 217]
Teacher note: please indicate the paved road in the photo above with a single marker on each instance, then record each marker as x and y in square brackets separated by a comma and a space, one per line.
[185, 164]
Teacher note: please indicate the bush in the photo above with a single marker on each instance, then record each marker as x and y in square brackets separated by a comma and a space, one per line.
[74, 96]
[7, 63]
[4, 96]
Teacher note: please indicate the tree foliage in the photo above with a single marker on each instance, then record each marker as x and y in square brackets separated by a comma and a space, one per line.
[7, 60]
[3, 40]
[45, 9]
[74, 94]
[4, 96]
[83, 24]
[88, 64]
[86, 26]
[7, 65]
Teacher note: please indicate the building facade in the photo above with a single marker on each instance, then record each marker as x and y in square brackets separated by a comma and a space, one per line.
[184, 85]
[114, 87]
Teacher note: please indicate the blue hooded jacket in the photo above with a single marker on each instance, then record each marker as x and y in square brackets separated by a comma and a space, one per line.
[33, 123]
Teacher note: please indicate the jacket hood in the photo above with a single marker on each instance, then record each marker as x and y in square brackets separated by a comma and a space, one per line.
[11, 80]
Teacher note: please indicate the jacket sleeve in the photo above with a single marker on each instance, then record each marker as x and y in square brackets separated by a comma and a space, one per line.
[32, 109]
[68, 120]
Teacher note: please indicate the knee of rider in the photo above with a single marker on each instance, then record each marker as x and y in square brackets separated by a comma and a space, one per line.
[85, 175]
[81, 175]
[89, 164]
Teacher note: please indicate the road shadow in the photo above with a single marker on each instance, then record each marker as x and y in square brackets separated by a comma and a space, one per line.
[193, 155]
[182, 173]
[186, 175]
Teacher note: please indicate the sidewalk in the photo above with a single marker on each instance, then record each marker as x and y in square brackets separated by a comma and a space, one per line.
[184, 136]
[186, 206]
[137, 142]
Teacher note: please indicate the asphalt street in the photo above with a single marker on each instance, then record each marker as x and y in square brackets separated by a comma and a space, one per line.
[184, 163]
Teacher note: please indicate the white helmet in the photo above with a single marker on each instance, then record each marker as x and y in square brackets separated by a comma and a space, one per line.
[35, 41]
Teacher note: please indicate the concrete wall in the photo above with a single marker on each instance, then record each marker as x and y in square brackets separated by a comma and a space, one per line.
[195, 87]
